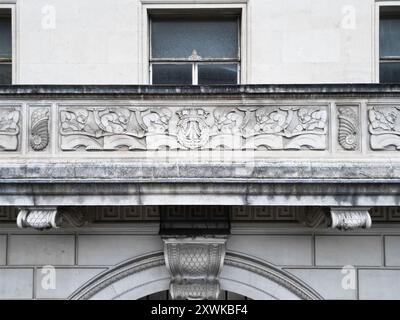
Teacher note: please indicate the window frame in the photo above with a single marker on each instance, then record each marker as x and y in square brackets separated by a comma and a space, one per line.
[156, 7]
[193, 61]
[11, 7]
[377, 58]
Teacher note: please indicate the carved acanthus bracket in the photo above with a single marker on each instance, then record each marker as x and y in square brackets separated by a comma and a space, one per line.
[44, 218]
[350, 218]
[194, 265]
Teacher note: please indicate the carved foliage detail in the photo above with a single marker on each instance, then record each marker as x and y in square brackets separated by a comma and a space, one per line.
[384, 127]
[348, 134]
[39, 137]
[9, 129]
[232, 128]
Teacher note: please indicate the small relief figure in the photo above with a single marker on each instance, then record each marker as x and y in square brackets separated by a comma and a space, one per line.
[74, 120]
[156, 121]
[271, 122]
[311, 120]
[386, 120]
[9, 122]
[112, 121]
[228, 120]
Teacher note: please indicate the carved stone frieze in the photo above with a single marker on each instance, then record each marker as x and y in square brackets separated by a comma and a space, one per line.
[349, 128]
[232, 128]
[384, 127]
[350, 218]
[194, 265]
[9, 129]
[39, 129]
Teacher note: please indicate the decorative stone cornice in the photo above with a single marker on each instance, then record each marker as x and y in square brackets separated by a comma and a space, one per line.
[350, 218]
[44, 218]
[194, 265]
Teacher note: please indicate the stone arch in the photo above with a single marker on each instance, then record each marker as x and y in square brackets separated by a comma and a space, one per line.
[241, 274]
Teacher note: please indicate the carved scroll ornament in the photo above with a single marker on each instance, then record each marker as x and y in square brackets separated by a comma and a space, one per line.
[350, 218]
[44, 218]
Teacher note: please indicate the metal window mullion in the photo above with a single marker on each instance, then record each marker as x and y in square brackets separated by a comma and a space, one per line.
[195, 74]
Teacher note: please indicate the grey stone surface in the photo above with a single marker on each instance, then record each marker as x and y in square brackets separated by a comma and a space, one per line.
[379, 284]
[348, 250]
[392, 251]
[216, 192]
[104, 250]
[3, 249]
[327, 282]
[41, 250]
[67, 281]
[278, 250]
[149, 90]
[16, 283]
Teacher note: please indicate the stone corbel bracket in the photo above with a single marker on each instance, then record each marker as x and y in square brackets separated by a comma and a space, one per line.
[194, 265]
[38, 218]
[45, 218]
[350, 218]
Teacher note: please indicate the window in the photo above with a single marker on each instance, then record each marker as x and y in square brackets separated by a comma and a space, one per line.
[190, 50]
[389, 44]
[5, 47]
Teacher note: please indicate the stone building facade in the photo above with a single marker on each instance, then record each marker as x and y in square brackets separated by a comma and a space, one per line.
[227, 149]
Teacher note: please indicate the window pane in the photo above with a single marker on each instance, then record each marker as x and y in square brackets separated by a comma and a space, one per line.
[5, 37]
[5, 73]
[390, 72]
[218, 74]
[211, 38]
[389, 34]
[172, 74]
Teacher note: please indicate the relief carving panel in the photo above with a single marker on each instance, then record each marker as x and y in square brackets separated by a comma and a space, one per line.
[384, 127]
[349, 128]
[231, 128]
[9, 129]
[39, 137]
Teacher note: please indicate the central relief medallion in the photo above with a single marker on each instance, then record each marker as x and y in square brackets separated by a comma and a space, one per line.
[193, 131]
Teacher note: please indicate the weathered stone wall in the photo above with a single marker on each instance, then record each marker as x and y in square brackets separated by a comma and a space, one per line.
[316, 257]
[103, 42]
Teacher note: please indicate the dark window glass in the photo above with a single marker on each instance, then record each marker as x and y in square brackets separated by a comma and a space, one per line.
[389, 45]
[5, 73]
[179, 37]
[218, 74]
[5, 37]
[5, 47]
[389, 34]
[172, 74]
[390, 72]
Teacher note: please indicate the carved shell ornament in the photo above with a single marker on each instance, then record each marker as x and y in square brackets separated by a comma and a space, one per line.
[39, 139]
[348, 131]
